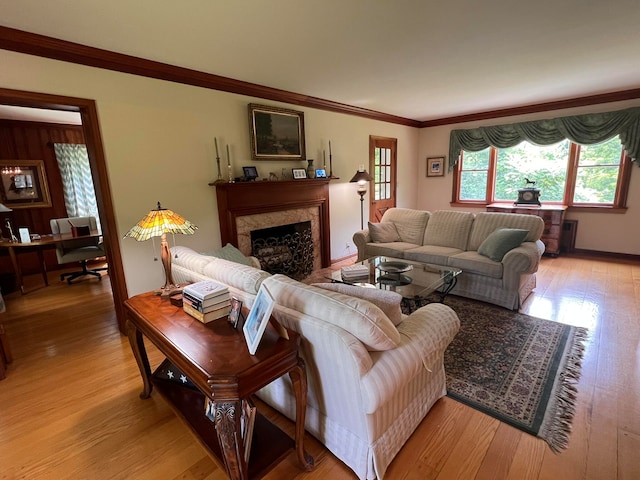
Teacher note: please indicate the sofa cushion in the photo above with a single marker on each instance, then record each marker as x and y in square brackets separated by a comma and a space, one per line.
[409, 223]
[387, 301]
[496, 245]
[392, 250]
[431, 254]
[359, 317]
[383, 232]
[231, 253]
[189, 259]
[473, 262]
[449, 228]
[242, 277]
[486, 223]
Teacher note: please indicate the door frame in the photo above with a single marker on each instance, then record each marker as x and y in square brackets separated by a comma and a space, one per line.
[373, 140]
[97, 161]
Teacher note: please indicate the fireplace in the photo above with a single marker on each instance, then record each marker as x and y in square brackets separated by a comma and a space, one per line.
[247, 206]
[287, 249]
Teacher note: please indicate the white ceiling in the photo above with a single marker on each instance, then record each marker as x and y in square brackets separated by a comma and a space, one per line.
[418, 59]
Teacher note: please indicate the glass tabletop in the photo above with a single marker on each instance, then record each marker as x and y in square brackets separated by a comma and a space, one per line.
[409, 278]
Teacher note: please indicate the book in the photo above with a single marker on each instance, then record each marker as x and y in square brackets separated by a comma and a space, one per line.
[209, 316]
[202, 305]
[205, 290]
[221, 301]
[354, 271]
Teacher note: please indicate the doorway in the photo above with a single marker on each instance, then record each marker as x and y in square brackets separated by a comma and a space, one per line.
[93, 140]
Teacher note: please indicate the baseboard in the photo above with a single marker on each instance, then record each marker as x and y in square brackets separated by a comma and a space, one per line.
[579, 252]
[343, 259]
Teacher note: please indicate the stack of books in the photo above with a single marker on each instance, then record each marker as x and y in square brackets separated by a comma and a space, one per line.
[353, 273]
[206, 301]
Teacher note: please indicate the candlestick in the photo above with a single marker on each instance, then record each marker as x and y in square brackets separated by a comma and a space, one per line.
[228, 157]
[324, 160]
[219, 179]
[329, 148]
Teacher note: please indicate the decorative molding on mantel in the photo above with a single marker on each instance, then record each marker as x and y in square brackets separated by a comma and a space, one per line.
[251, 198]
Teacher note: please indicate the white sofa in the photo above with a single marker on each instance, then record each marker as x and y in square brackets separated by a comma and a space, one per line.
[454, 238]
[370, 381]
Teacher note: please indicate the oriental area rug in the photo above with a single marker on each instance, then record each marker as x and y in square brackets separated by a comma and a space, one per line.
[516, 368]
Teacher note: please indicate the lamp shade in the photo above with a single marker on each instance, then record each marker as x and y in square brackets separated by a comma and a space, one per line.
[4, 208]
[361, 176]
[158, 222]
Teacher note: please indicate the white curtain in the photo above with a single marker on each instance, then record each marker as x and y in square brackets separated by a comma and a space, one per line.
[77, 183]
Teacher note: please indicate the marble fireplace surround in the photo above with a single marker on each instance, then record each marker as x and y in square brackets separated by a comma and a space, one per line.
[247, 206]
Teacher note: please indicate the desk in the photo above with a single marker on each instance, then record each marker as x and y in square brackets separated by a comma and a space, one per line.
[46, 241]
[215, 358]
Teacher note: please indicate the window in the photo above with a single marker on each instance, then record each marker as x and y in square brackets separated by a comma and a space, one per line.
[382, 173]
[566, 173]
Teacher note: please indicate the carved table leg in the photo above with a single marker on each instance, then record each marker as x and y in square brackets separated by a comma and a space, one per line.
[227, 422]
[140, 353]
[299, 379]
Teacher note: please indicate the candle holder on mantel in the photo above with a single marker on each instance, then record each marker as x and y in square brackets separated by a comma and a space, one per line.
[219, 179]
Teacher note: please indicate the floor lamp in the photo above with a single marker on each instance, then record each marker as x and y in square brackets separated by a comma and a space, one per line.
[362, 178]
[158, 223]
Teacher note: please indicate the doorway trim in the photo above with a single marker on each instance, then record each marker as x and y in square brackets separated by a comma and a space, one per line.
[98, 163]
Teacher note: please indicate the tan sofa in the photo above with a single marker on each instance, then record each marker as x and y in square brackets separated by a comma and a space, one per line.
[372, 376]
[455, 238]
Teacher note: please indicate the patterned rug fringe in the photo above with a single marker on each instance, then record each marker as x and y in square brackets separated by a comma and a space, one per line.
[556, 426]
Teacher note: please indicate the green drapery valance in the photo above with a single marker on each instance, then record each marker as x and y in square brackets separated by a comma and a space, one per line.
[581, 129]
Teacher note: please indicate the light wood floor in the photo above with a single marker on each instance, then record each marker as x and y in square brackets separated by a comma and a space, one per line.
[69, 407]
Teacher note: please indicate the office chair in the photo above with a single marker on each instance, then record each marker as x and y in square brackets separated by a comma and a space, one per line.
[77, 250]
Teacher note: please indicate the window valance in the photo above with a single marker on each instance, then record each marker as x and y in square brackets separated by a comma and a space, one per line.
[581, 129]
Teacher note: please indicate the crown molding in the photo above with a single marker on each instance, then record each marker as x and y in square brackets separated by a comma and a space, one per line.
[537, 108]
[53, 48]
[49, 47]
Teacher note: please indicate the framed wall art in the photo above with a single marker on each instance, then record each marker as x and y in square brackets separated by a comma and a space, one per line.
[435, 166]
[23, 184]
[276, 133]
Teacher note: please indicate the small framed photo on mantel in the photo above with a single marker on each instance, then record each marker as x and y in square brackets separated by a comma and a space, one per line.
[435, 166]
[298, 173]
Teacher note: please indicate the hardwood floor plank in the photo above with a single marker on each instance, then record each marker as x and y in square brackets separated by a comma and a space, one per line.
[69, 406]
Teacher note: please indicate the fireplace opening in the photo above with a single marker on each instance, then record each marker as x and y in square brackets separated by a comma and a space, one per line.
[287, 249]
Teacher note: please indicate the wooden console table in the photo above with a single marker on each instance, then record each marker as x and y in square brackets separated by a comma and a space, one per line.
[553, 216]
[215, 358]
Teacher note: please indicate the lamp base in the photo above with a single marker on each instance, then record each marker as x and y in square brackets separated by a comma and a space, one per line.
[169, 290]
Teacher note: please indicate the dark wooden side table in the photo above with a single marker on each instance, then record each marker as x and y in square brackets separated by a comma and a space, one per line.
[215, 358]
[5, 352]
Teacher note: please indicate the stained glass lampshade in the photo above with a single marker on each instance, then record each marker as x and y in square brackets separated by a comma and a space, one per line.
[158, 223]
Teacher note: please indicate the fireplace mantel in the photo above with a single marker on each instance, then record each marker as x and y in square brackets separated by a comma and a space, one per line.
[250, 198]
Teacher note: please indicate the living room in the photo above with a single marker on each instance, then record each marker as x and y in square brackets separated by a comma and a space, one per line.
[158, 141]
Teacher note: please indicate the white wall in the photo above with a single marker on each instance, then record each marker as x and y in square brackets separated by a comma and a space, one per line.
[604, 232]
[158, 141]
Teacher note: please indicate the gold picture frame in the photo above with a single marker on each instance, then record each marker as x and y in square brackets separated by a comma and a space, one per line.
[435, 166]
[23, 184]
[276, 133]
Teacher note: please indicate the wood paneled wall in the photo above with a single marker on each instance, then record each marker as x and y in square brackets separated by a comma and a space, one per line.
[21, 140]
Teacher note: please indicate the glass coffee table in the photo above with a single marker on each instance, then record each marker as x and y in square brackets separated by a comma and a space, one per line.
[411, 279]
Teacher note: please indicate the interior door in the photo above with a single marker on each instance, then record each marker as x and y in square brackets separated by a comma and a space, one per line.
[382, 164]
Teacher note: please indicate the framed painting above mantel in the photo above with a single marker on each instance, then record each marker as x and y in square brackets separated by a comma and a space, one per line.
[23, 184]
[276, 133]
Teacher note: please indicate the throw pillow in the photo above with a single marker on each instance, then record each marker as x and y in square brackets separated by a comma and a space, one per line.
[231, 253]
[383, 232]
[385, 300]
[497, 244]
